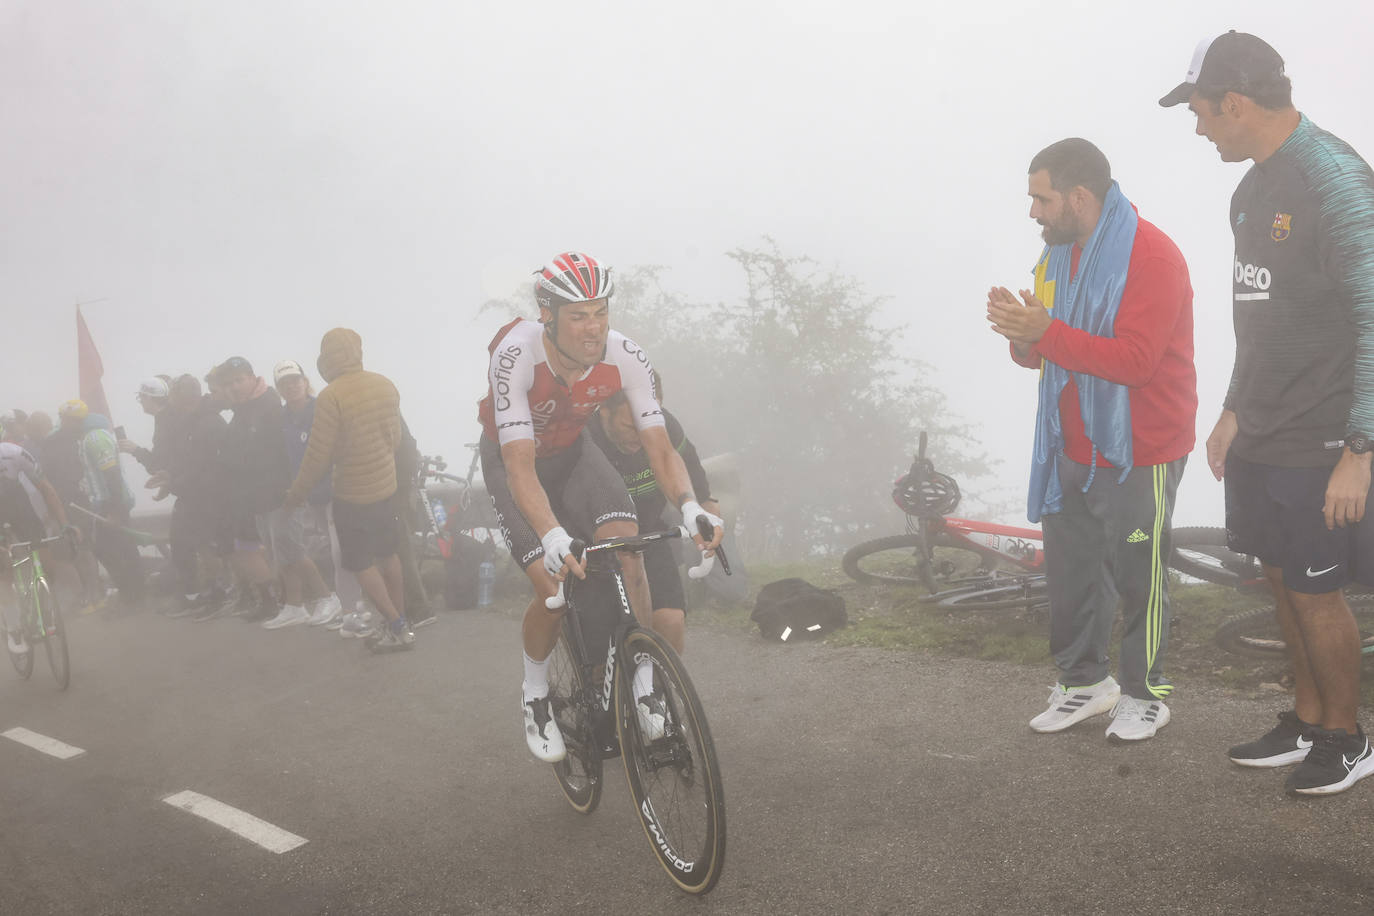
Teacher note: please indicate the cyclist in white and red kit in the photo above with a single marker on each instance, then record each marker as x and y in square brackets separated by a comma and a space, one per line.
[548, 482]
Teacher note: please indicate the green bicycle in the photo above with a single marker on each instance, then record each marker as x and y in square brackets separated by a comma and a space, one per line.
[40, 618]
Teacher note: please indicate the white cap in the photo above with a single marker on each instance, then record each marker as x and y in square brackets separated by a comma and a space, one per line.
[285, 369]
[152, 388]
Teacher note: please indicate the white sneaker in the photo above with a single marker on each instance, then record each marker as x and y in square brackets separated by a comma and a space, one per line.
[652, 717]
[541, 731]
[1136, 720]
[288, 616]
[325, 610]
[18, 645]
[1069, 705]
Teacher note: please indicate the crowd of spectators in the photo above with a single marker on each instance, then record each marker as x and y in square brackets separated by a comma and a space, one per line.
[286, 513]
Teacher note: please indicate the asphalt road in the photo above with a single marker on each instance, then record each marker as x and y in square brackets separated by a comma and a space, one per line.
[856, 781]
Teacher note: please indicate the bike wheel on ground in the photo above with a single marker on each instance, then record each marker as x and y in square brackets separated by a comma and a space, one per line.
[894, 560]
[1256, 634]
[1028, 592]
[1202, 553]
[54, 634]
[674, 778]
[579, 773]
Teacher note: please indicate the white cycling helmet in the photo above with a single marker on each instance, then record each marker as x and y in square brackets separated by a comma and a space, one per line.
[153, 388]
[572, 276]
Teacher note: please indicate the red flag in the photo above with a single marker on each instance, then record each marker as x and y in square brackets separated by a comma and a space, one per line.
[89, 368]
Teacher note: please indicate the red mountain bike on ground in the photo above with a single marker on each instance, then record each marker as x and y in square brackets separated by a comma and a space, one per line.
[972, 565]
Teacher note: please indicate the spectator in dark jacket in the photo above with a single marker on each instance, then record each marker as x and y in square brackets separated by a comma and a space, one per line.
[296, 525]
[153, 398]
[190, 453]
[256, 476]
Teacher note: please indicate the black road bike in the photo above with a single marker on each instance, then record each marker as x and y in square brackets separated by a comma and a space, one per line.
[661, 736]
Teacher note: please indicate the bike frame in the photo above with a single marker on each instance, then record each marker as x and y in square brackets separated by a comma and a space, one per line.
[1022, 546]
[26, 571]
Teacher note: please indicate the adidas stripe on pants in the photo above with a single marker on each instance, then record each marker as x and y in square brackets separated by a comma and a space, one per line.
[1111, 542]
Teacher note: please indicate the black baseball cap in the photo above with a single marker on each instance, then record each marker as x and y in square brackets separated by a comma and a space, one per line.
[1232, 61]
[235, 365]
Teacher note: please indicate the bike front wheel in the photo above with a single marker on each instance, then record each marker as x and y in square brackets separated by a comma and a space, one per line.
[1029, 592]
[579, 773]
[670, 762]
[54, 634]
[896, 560]
[22, 661]
[1256, 634]
[1202, 553]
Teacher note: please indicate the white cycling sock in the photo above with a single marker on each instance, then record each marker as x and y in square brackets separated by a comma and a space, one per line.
[644, 679]
[536, 683]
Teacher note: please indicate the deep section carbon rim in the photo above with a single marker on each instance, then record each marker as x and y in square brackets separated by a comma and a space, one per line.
[674, 778]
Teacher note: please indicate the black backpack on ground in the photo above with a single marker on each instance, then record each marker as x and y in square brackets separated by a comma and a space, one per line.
[792, 609]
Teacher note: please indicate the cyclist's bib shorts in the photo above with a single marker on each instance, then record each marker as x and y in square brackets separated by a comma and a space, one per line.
[665, 578]
[584, 491]
[16, 510]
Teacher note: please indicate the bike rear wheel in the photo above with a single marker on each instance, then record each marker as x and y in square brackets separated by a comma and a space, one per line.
[54, 634]
[895, 560]
[674, 778]
[1256, 634]
[579, 773]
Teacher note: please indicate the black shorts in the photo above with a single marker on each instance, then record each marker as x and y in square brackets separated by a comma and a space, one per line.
[584, 491]
[17, 512]
[367, 534]
[1275, 513]
[665, 577]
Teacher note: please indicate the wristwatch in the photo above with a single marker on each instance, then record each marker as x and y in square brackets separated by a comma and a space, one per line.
[1358, 444]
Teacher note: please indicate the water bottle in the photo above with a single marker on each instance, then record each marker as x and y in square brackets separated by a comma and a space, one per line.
[486, 582]
[440, 514]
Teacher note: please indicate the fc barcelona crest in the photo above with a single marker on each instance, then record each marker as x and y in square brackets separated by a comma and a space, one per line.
[1283, 224]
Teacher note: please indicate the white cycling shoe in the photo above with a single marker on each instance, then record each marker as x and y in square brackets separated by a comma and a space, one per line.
[652, 717]
[541, 731]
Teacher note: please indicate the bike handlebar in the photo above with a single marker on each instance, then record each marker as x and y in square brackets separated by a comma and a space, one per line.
[641, 541]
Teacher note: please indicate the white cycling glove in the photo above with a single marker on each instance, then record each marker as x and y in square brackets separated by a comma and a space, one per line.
[557, 545]
[691, 510]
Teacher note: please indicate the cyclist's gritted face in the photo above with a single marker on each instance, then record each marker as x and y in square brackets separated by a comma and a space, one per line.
[580, 328]
[1054, 210]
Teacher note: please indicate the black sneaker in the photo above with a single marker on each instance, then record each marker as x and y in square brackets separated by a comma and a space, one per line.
[1285, 743]
[1336, 762]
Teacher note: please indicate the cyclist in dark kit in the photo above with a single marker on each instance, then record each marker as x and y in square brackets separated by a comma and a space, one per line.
[615, 434]
[1296, 431]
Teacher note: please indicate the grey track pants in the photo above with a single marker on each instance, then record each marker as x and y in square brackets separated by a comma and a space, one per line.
[1111, 543]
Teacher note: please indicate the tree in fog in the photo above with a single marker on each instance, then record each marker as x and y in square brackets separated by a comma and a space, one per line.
[820, 403]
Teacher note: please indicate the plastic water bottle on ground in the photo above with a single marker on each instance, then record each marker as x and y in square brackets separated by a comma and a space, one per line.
[486, 583]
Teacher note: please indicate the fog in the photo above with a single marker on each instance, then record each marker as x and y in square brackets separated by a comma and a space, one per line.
[220, 180]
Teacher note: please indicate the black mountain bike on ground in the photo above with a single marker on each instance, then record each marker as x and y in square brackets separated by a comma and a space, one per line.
[1202, 553]
[595, 693]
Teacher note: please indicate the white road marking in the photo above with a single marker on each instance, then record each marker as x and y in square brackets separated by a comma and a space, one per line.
[253, 829]
[49, 746]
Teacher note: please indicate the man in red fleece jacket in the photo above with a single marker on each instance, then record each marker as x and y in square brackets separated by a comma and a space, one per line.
[1111, 535]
